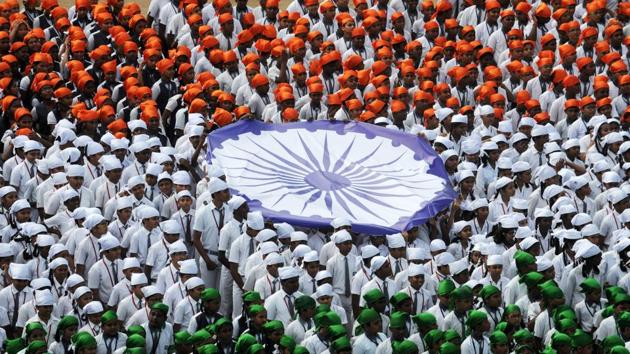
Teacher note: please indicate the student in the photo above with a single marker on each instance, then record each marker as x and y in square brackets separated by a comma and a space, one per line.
[105, 274]
[371, 337]
[476, 342]
[159, 332]
[210, 301]
[305, 308]
[492, 302]
[110, 339]
[189, 306]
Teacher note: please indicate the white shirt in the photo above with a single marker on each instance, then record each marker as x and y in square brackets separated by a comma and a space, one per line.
[185, 310]
[278, 308]
[88, 252]
[113, 343]
[473, 346]
[239, 251]
[363, 345]
[336, 267]
[21, 174]
[208, 222]
[267, 286]
[141, 241]
[102, 277]
[128, 306]
[164, 338]
[157, 257]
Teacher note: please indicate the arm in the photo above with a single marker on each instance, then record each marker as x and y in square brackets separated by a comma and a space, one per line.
[199, 247]
[237, 277]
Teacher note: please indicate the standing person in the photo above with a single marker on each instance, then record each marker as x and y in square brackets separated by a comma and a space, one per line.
[159, 332]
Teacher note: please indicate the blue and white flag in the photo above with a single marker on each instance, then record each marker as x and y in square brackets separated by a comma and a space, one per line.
[309, 173]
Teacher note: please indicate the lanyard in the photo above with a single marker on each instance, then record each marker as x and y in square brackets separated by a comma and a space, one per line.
[109, 274]
[480, 345]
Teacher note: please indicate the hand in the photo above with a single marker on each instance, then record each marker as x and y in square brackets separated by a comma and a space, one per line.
[210, 265]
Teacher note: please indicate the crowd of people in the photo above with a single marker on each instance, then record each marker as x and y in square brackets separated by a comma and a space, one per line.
[118, 236]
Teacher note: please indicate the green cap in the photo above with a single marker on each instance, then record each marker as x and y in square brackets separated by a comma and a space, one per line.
[565, 324]
[13, 346]
[564, 312]
[373, 296]
[135, 351]
[590, 284]
[548, 350]
[432, 337]
[398, 320]
[619, 349]
[622, 299]
[623, 321]
[511, 308]
[108, 316]
[158, 306]
[243, 343]
[399, 298]
[611, 291]
[252, 310]
[335, 331]
[305, 302]
[451, 335]
[488, 291]
[522, 335]
[273, 325]
[552, 292]
[287, 342]
[476, 318]
[255, 348]
[445, 287]
[581, 339]
[531, 279]
[222, 322]
[522, 348]
[523, 259]
[35, 346]
[501, 326]
[208, 349]
[424, 319]
[251, 296]
[135, 329]
[326, 319]
[200, 337]
[138, 341]
[461, 293]
[498, 337]
[449, 348]
[83, 340]
[210, 294]
[300, 350]
[340, 344]
[367, 316]
[322, 308]
[404, 347]
[67, 321]
[559, 339]
[33, 326]
[612, 341]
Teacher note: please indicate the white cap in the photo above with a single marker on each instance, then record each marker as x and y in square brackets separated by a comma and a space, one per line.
[44, 298]
[288, 273]
[268, 247]
[300, 251]
[265, 235]
[523, 232]
[151, 290]
[494, 260]
[163, 176]
[6, 250]
[75, 171]
[377, 263]
[396, 241]
[139, 279]
[44, 240]
[324, 290]
[543, 213]
[340, 222]
[543, 264]
[443, 113]
[479, 203]
[124, 203]
[590, 230]
[418, 254]
[69, 194]
[216, 185]
[74, 280]
[148, 212]
[273, 259]
[172, 227]
[110, 163]
[539, 130]
[19, 271]
[502, 182]
[444, 259]
[323, 274]
[587, 250]
[298, 236]
[153, 169]
[508, 222]
[6, 190]
[458, 266]
[369, 251]
[416, 269]
[177, 247]
[181, 178]
[617, 196]
[458, 226]
[40, 283]
[283, 230]
[520, 166]
[236, 201]
[80, 291]
[552, 191]
[611, 177]
[188, 266]
[118, 144]
[135, 181]
[194, 282]
[527, 243]
[255, 220]
[108, 242]
[437, 245]
[92, 220]
[519, 204]
[341, 236]
[311, 256]
[31, 145]
[131, 262]
[581, 219]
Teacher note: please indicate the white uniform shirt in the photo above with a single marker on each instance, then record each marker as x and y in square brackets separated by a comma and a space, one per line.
[103, 276]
